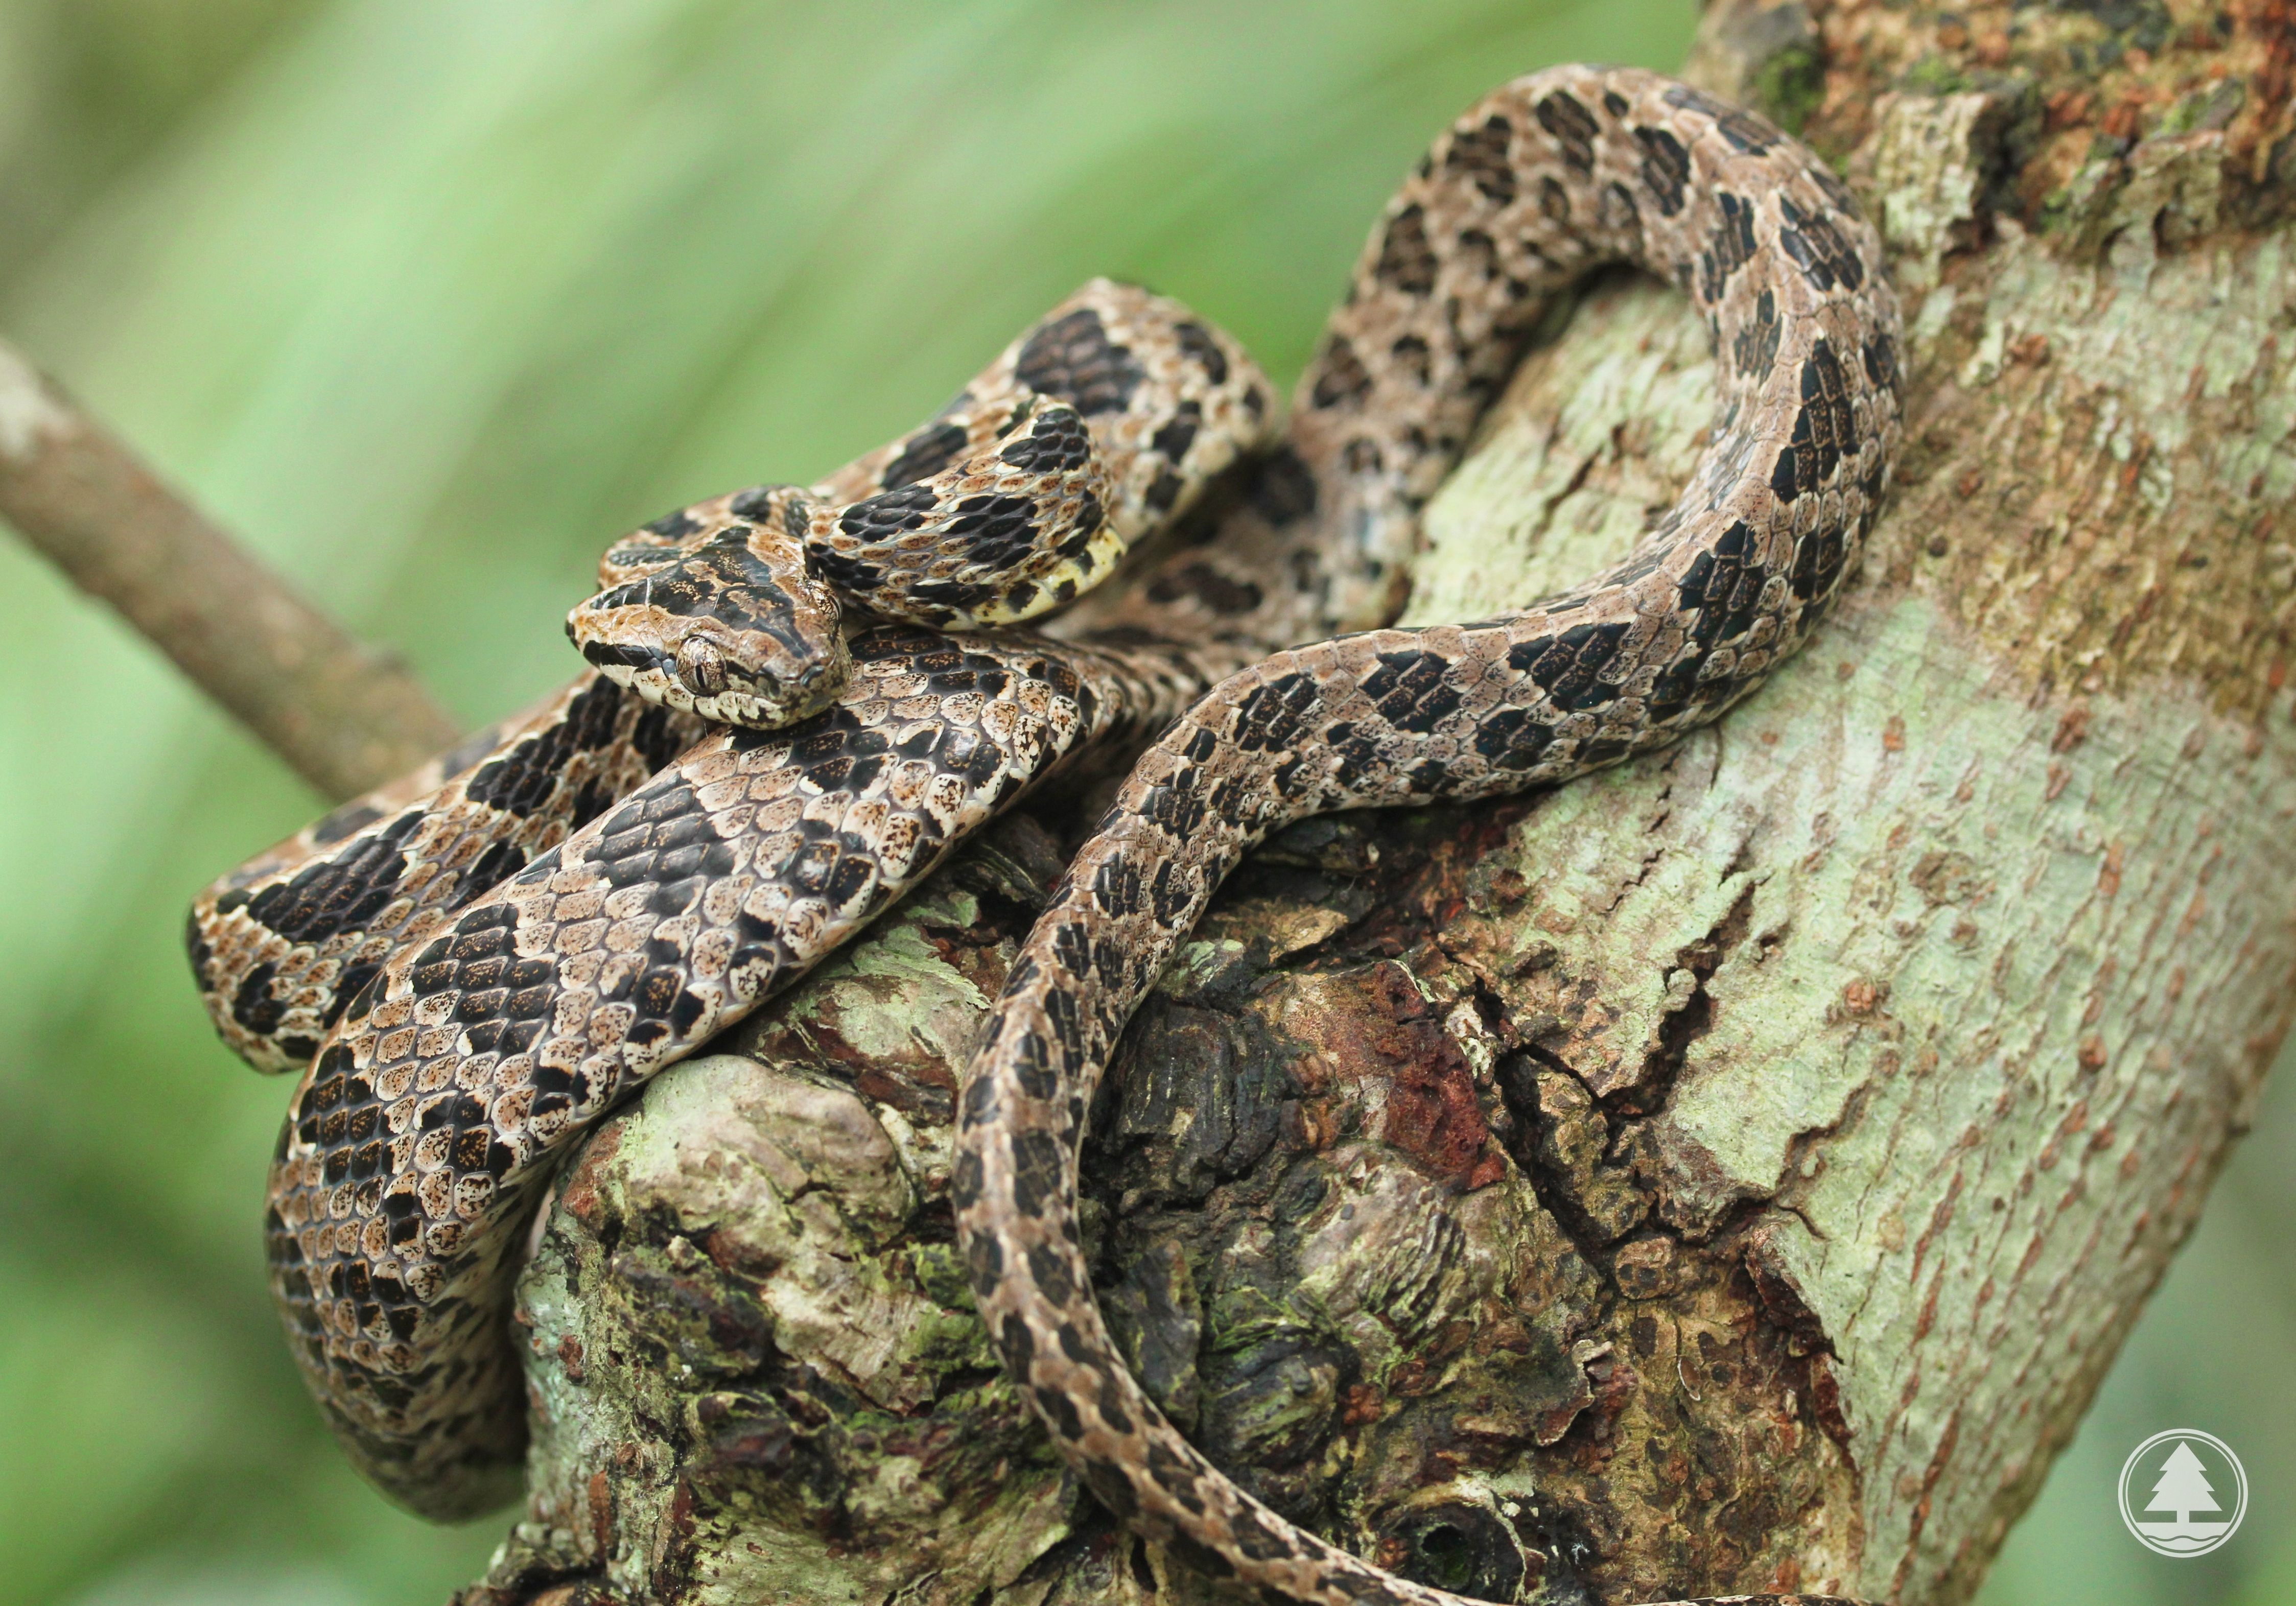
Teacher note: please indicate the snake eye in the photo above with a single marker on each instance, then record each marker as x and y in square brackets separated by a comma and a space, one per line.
[702, 665]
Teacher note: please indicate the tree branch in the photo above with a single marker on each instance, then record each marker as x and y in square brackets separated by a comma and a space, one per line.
[346, 716]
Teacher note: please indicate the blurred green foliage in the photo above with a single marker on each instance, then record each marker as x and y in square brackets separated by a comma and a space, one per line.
[430, 299]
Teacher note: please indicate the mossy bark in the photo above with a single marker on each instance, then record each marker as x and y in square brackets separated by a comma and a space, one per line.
[1732, 1172]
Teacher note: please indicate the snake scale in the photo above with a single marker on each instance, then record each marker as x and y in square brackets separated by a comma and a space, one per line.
[471, 967]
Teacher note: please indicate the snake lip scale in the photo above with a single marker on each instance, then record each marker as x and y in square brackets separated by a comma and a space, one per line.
[474, 966]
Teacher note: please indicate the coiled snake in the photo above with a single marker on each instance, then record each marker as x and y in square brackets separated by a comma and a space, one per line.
[474, 966]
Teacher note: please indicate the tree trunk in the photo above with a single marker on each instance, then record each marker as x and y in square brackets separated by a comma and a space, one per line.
[1732, 1172]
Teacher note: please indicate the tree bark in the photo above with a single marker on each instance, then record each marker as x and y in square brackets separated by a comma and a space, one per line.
[1732, 1172]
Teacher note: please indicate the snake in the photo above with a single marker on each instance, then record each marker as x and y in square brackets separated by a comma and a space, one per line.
[801, 699]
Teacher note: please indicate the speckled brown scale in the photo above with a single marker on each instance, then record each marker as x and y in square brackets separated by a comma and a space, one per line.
[452, 1085]
[997, 537]
[472, 964]
[1169, 400]
[280, 945]
[1548, 177]
[526, 970]
[1088, 430]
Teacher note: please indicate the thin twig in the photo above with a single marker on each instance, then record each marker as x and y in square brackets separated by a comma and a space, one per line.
[346, 716]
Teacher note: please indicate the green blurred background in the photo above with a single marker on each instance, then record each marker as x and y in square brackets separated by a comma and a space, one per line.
[429, 299]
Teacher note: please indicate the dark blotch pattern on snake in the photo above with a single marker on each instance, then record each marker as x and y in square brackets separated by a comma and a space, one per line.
[473, 986]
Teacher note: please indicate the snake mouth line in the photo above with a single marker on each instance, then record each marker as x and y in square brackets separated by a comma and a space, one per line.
[619, 655]
[756, 700]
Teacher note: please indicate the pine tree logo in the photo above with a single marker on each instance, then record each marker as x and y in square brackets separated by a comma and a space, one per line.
[2194, 1478]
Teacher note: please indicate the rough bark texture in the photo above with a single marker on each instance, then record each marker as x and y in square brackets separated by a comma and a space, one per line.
[1735, 1171]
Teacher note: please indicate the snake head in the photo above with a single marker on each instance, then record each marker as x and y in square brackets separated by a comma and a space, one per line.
[727, 621]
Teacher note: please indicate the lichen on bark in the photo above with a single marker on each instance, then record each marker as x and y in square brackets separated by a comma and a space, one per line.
[1731, 1172]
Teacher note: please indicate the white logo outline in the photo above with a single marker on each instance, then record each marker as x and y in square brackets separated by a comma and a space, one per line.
[2184, 1478]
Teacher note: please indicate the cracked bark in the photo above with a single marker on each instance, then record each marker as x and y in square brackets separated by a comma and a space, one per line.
[1732, 1172]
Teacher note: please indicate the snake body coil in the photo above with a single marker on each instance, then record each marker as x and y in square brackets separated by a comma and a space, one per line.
[475, 981]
